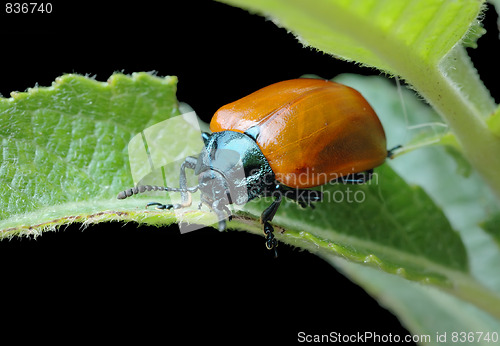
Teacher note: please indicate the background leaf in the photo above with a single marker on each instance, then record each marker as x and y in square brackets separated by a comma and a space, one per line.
[465, 200]
[390, 35]
[424, 310]
[492, 227]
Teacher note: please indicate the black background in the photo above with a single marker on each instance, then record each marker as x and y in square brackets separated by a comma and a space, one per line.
[122, 282]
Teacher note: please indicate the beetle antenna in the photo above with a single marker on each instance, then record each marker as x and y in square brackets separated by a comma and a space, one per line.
[144, 188]
[390, 152]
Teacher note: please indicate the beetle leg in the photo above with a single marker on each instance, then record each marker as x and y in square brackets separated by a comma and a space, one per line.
[304, 197]
[160, 205]
[265, 218]
[390, 152]
[229, 214]
[357, 178]
[219, 211]
[205, 136]
[222, 225]
[271, 242]
[268, 214]
[189, 162]
[184, 204]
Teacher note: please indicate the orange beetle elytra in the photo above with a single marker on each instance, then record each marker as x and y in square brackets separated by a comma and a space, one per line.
[309, 127]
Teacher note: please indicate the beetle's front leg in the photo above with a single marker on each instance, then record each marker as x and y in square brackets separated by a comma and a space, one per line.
[186, 200]
[222, 212]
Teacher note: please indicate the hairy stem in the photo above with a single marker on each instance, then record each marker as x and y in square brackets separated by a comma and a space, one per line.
[458, 95]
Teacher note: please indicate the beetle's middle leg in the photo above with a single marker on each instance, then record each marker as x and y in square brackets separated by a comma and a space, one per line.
[265, 219]
[356, 178]
[302, 196]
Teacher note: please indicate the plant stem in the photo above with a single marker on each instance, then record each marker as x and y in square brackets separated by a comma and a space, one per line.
[458, 95]
[473, 292]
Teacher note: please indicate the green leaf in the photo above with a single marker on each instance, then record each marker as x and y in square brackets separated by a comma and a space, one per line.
[378, 224]
[465, 200]
[64, 148]
[390, 35]
[417, 40]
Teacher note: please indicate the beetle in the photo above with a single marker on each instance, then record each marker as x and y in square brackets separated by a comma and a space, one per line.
[287, 137]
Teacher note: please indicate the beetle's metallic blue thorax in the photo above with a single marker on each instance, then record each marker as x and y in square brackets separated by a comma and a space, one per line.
[238, 158]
